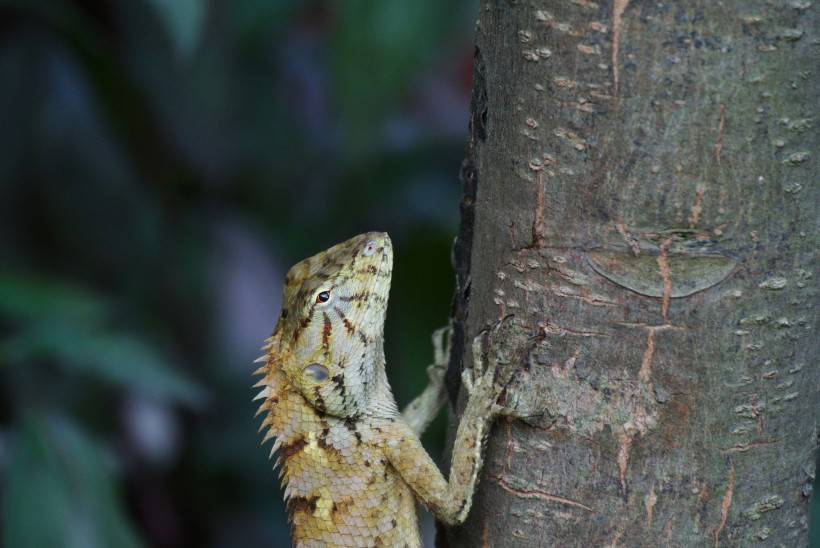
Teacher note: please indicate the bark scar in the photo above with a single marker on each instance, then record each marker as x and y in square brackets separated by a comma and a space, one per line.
[697, 208]
[645, 373]
[646, 363]
[624, 448]
[743, 447]
[628, 238]
[666, 276]
[726, 503]
[549, 327]
[618, 8]
[510, 444]
[535, 494]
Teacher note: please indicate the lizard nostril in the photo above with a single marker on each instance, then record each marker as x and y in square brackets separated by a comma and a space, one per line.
[369, 248]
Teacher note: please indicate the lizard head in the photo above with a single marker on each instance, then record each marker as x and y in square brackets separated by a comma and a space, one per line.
[331, 327]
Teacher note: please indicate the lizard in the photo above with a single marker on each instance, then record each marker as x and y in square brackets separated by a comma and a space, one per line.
[352, 465]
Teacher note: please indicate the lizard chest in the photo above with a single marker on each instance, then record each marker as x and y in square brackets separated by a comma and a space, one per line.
[341, 491]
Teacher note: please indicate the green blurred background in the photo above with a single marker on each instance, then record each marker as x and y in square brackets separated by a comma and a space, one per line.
[164, 163]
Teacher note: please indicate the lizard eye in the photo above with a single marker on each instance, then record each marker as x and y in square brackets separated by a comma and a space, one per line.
[369, 248]
[323, 297]
[316, 371]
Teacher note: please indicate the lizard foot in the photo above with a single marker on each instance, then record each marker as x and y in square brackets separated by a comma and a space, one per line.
[493, 369]
[442, 343]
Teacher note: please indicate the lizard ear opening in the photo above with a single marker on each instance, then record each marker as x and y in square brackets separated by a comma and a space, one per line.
[316, 372]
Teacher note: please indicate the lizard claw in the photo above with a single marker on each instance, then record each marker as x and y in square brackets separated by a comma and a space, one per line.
[467, 380]
[442, 341]
[491, 373]
[442, 338]
[478, 344]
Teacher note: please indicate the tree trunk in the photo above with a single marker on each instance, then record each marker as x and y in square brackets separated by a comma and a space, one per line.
[640, 191]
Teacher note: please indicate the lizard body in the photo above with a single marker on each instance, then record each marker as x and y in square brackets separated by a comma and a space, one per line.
[351, 463]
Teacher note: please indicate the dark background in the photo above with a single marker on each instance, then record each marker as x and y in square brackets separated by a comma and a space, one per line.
[163, 164]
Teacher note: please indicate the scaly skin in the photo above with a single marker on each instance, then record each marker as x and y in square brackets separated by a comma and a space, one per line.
[351, 463]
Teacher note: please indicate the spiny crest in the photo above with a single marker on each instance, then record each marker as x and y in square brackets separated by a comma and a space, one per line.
[266, 372]
[271, 387]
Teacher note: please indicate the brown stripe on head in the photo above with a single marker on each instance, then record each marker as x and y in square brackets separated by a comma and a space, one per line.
[327, 330]
[360, 296]
[347, 323]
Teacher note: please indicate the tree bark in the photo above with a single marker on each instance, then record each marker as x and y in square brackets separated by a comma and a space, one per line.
[640, 191]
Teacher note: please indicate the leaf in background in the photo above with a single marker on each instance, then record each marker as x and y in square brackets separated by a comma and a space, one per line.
[120, 358]
[35, 507]
[261, 18]
[29, 298]
[61, 492]
[61, 322]
[183, 20]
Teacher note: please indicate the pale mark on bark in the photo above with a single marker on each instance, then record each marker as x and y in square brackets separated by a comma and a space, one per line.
[631, 241]
[666, 276]
[645, 373]
[661, 327]
[583, 295]
[743, 447]
[624, 448]
[726, 503]
[554, 329]
[646, 363]
[535, 494]
[594, 300]
[618, 8]
[697, 208]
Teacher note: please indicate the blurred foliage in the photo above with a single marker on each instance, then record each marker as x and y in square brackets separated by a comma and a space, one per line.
[59, 478]
[66, 326]
[164, 163]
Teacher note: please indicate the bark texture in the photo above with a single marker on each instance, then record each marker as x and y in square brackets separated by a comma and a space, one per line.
[641, 192]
